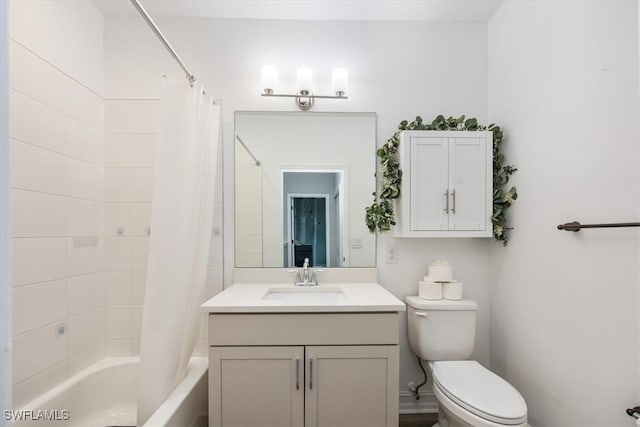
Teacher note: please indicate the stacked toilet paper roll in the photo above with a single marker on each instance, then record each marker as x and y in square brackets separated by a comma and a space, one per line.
[439, 283]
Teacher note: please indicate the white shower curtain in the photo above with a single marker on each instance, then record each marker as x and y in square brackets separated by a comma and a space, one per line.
[181, 223]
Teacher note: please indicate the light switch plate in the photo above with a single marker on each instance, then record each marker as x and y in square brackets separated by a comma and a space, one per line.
[391, 254]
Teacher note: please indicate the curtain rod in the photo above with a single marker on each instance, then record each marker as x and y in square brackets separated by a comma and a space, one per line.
[258, 163]
[162, 39]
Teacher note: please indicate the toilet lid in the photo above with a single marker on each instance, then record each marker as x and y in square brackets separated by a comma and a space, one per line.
[480, 391]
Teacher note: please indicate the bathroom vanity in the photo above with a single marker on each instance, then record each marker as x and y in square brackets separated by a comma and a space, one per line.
[303, 356]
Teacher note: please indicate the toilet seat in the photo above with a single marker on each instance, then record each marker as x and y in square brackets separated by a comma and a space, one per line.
[479, 391]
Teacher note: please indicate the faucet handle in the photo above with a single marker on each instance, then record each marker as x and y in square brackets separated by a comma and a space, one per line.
[297, 279]
[313, 275]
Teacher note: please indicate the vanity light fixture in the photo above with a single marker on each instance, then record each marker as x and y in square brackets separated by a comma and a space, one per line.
[304, 89]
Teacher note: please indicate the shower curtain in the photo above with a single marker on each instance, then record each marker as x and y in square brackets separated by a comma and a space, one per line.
[181, 223]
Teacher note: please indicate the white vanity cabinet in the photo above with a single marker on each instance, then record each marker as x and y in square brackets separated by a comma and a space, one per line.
[303, 369]
[447, 185]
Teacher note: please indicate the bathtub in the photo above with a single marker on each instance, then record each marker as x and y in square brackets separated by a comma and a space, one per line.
[105, 394]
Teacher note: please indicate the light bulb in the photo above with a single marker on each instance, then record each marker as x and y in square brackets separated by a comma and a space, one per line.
[340, 79]
[269, 78]
[304, 79]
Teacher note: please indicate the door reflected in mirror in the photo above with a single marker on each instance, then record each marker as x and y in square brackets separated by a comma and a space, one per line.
[302, 183]
[314, 218]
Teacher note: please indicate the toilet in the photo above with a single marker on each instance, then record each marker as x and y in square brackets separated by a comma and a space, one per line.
[442, 332]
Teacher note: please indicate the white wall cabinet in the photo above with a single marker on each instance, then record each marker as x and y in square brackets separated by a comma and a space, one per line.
[447, 186]
[331, 384]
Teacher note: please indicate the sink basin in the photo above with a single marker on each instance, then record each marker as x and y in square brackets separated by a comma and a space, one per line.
[308, 295]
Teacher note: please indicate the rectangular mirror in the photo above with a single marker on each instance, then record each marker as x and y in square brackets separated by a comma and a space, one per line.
[302, 183]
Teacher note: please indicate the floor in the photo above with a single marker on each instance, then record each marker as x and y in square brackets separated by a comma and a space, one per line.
[418, 420]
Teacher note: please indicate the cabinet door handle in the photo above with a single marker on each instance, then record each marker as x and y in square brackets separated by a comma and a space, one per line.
[310, 374]
[446, 198]
[453, 194]
[297, 374]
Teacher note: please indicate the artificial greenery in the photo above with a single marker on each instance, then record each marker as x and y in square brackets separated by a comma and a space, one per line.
[380, 215]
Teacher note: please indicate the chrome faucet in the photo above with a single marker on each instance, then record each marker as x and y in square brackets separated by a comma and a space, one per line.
[308, 276]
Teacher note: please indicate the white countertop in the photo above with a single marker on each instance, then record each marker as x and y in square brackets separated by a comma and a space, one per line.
[248, 298]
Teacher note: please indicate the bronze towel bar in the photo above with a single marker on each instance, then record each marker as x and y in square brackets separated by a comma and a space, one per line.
[576, 226]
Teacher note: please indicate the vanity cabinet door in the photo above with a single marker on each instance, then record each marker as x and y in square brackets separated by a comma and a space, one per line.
[256, 386]
[351, 386]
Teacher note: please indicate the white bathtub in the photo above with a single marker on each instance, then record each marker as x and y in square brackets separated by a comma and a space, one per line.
[105, 394]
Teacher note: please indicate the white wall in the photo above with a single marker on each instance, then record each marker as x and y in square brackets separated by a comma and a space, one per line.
[5, 223]
[563, 82]
[397, 70]
[57, 180]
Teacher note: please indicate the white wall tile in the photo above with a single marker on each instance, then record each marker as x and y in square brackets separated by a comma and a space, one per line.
[37, 214]
[52, 130]
[36, 169]
[119, 322]
[86, 293]
[69, 35]
[118, 150]
[140, 218]
[136, 321]
[118, 185]
[118, 287]
[120, 348]
[26, 71]
[117, 253]
[85, 217]
[85, 180]
[35, 306]
[38, 260]
[86, 330]
[141, 184]
[135, 347]
[139, 253]
[36, 78]
[86, 358]
[132, 116]
[84, 105]
[37, 350]
[85, 143]
[138, 283]
[143, 150]
[248, 259]
[118, 217]
[85, 255]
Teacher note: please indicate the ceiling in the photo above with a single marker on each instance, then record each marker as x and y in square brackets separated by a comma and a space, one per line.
[320, 10]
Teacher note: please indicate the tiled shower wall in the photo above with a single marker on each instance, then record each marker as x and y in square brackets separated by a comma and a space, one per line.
[57, 181]
[80, 199]
[132, 128]
[131, 132]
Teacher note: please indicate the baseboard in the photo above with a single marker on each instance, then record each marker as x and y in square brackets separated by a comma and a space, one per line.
[426, 404]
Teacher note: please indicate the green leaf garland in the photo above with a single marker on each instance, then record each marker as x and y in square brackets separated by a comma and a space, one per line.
[380, 215]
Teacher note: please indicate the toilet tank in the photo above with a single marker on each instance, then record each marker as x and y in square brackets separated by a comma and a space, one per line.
[441, 329]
